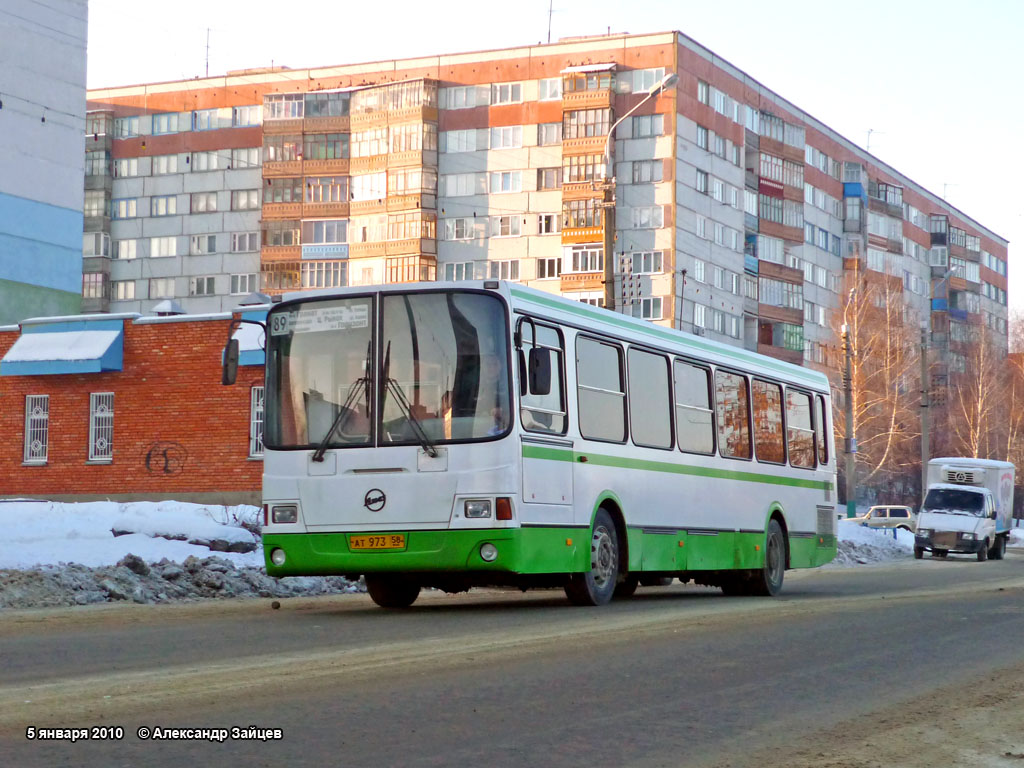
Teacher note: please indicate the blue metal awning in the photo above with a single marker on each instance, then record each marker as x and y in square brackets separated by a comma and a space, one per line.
[81, 346]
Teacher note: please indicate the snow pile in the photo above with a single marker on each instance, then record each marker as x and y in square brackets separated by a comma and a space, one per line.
[859, 545]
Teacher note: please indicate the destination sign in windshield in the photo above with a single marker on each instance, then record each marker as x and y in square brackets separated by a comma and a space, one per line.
[315, 319]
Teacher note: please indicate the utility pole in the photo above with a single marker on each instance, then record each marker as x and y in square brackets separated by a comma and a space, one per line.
[925, 447]
[851, 440]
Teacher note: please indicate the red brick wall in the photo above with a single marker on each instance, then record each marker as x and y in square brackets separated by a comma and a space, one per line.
[177, 431]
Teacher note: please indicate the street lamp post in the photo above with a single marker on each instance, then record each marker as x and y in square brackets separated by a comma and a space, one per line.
[666, 82]
[925, 404]
[851, 440]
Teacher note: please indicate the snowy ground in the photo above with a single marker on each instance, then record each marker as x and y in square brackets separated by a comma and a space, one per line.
[67, 554]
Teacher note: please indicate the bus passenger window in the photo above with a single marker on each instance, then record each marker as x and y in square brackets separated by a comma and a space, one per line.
[821, 430]
[732, 403]
[799, 433]
[695, 427]
[649, 409]
[601, 391]
[545, 413]
[768, 443]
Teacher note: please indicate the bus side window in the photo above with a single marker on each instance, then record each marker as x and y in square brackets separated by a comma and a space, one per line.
[821, 430]
[799, 433]
[601, 391]
[650, 411]
[545, 413]
[768, 443]
[732, 404]
[695, 418]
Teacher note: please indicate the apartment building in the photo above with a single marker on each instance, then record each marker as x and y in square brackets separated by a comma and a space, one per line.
[637, 172]
[42, 113]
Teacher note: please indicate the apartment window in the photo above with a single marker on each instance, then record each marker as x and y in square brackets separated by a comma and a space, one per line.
[646, 262]
[93, 285]
[699, 316]
[245, 242]
[163, 205]
[582, 123]
[319, 189]
[549, 134]
[166, 123]
[325, 146]
[250, 115]
[205, 161]
[702, 182]
[284, 190]
[645, 79]
[412, 181]
[718, 189]
[408, 269]
[95, 244]
[506, 181]
[648, 308]
[587, 258]
[459, 270]
[282, 106]
[458, 229]
[464, 97]
[701, 227]
[550, 89]
[506, 226]
[507, 137]
[581, 168]
[125, 249]
[327, 231]
[413, 137]
[648, 125]
[549, 268]
[645, 171]
[122, 290]
[702, 137]
[324, 274]
[245, 199]
[548, 178]
[778, 293]
[244, 284]
[770, 208]
[245, 157]
[648, 217]
[164, 164]
[203, 244]
[581, 213]
[204, 120]
[161, 288]
[506, 93]
[163, 246]
[330, 104]
[125, 208]
[256, 422]
[95, 203]
[126, 166]
[126, 127]
[203, 202]
[282, 148]
[548, 224]
[101, 426]
[462, 184]
[460, 141]
[503, 270]
[37, 428]
[201, 286]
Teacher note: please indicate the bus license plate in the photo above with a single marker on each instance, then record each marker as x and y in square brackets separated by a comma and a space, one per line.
[377, 541]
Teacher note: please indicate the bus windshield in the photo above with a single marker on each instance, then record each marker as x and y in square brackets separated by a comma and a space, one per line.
[439, 372]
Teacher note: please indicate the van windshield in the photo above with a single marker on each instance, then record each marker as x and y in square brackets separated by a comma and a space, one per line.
[953, 501]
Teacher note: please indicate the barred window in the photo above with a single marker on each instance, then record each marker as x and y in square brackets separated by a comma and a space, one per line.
[37, 428]
[101, 426]
[256, 422]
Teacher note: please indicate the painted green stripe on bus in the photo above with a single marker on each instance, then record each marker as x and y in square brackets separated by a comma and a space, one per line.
[531, 452]
[658, 332]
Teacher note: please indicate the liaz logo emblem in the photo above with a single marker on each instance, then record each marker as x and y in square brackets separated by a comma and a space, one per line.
[375, 500]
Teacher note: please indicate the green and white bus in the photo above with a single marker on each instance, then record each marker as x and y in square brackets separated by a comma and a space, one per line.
[453, 435]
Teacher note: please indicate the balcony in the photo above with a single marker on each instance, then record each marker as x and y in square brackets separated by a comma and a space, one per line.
[575, 235]
[582, 281]
[403, 202]
[588, 145]
[277, 127]
[282, 168]
[322, 210]
[368, 164]
[596, 99]
[330, 124]
[282, 210]
[781, 353]
[368, 207]
[332, 167]
[780, 314]
[367, 250]
[274, 253]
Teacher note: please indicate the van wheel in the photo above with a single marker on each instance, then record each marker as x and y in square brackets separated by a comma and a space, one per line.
[983, 552]
[596, 586]
[998, 549]
[390, 591]
[918, 553]
[767, 581]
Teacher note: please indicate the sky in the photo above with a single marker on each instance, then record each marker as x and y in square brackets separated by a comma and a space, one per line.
[936, 82]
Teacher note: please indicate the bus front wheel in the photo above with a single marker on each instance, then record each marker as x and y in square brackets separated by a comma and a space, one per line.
[390, 591]
[596, 586]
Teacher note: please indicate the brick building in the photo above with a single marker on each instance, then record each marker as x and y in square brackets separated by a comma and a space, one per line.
[125, 407]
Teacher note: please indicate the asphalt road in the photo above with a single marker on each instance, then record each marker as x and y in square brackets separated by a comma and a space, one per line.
[676, 676]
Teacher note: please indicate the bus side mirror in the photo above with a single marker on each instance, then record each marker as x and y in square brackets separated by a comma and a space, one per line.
[230, 370]
[540, 371]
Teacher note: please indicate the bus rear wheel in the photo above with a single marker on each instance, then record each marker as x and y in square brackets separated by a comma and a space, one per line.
[767, 581]
[597, 586]
[390, 591]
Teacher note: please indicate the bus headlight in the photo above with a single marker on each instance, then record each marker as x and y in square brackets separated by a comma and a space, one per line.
[477, 508]
[277, 557]
[488, 552]
[284, 513]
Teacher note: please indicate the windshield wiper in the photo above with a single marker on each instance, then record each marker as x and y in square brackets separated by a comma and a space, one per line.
[403, 403]
[346, 410]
